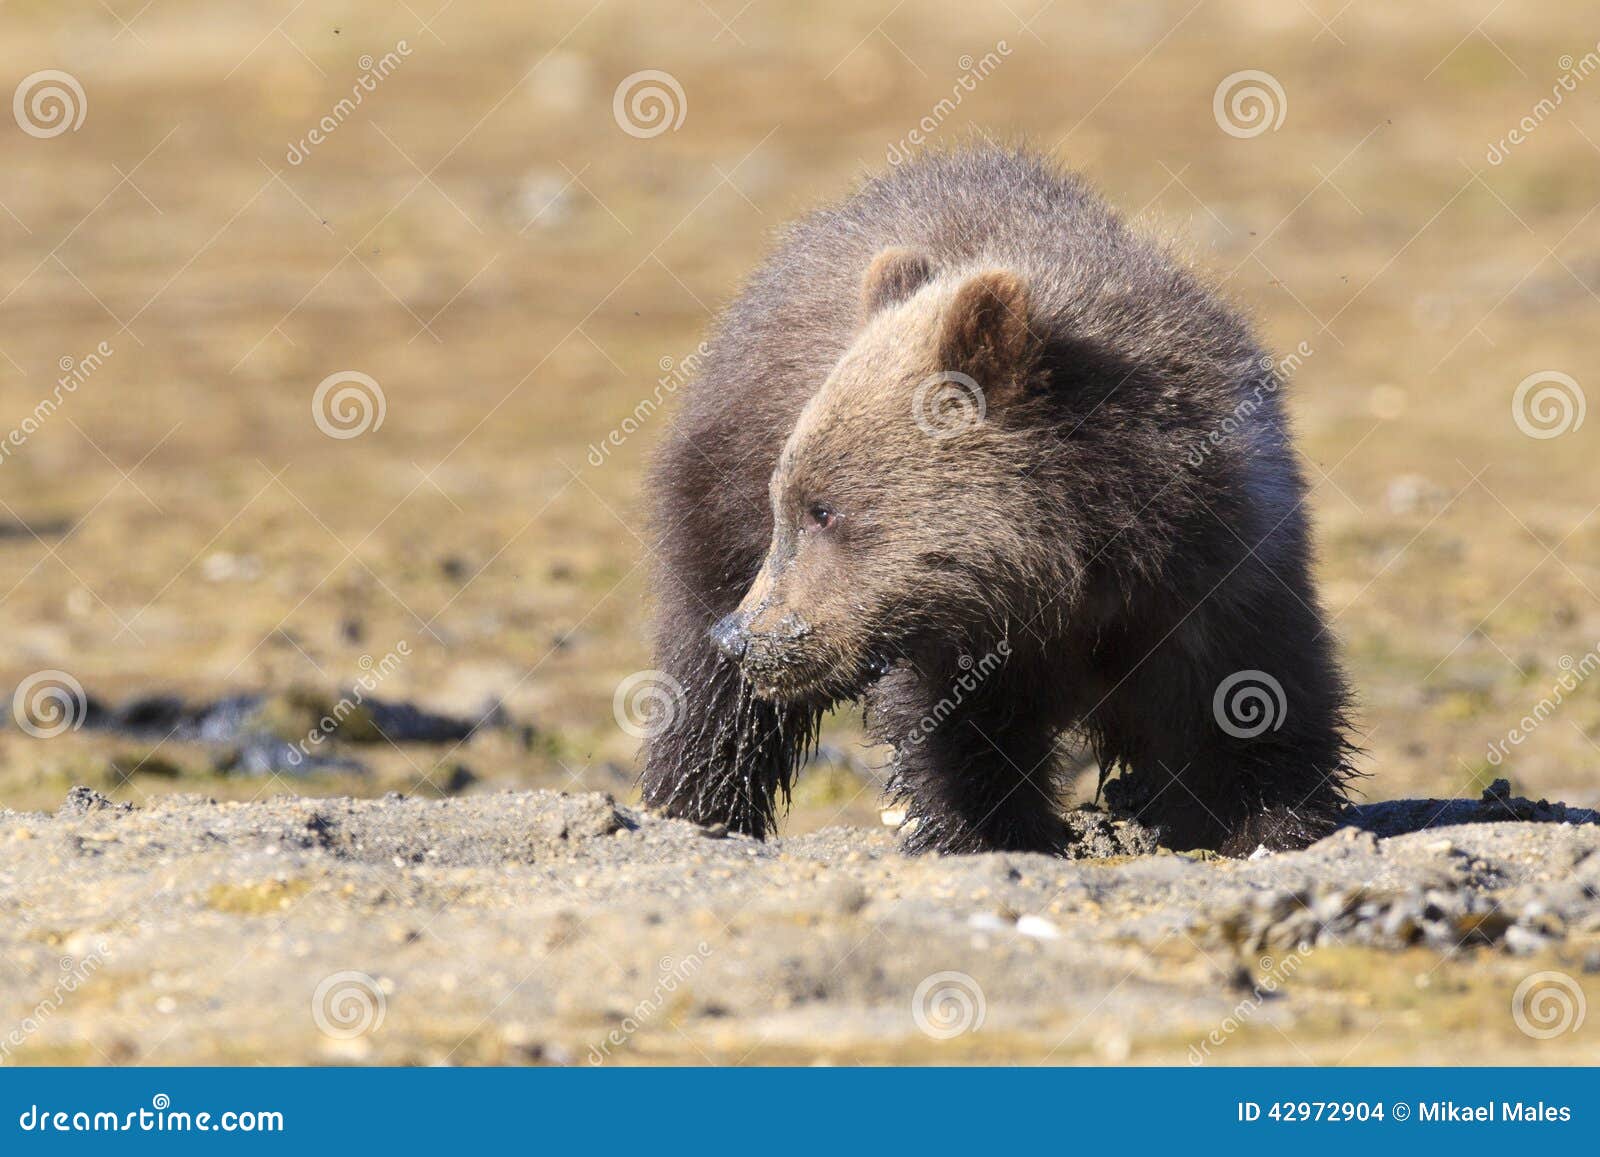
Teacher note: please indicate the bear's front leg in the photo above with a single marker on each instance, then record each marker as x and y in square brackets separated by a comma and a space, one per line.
[723, 756]
[1239, 744]
[975, 773]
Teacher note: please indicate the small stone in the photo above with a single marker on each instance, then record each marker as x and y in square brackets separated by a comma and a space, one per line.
[989, 922]
[1522, 941]
[1038, 927]
[82, 800]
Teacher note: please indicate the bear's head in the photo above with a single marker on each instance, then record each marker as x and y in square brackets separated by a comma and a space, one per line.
[902, 509]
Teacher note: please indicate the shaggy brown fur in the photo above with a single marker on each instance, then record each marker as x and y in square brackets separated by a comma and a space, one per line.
[969, 449]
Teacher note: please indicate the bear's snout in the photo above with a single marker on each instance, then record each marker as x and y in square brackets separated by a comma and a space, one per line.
[731, 635]
[776, 657]
[736, 632]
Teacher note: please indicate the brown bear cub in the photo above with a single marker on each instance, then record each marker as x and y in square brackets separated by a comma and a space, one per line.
[968, 450]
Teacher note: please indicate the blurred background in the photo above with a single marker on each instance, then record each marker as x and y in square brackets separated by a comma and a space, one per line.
[332, 337]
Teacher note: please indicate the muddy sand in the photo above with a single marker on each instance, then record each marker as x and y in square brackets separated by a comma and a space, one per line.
[548, 928]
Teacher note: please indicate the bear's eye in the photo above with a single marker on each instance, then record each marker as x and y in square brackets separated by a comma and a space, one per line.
[820, 516]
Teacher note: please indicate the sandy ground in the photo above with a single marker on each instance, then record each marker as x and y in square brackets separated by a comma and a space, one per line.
[549, 928]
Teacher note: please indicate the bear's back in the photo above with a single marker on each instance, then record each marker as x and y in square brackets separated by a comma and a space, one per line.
[1088, 274]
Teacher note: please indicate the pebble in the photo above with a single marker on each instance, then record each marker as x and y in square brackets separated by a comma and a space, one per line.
[989, 922]
[1522, 941]
[1038, 927]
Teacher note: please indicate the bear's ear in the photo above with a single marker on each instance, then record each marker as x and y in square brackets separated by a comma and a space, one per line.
[894, 275]
[986, 330]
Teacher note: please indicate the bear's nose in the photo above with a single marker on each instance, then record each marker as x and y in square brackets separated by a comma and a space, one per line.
[731, 635]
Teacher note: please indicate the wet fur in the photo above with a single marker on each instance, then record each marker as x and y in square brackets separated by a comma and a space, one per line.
[1127, 572]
